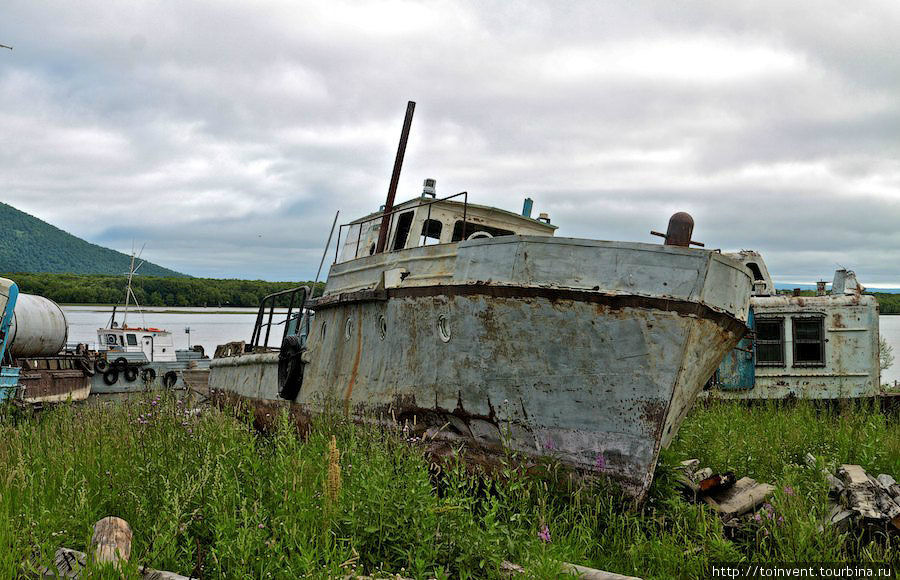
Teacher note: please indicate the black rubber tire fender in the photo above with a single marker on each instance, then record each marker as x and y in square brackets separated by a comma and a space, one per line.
[148, 375]
[121, 362]
[130, 373]
[169, 379]
[101, 365]
[290, 368]
[111, 376]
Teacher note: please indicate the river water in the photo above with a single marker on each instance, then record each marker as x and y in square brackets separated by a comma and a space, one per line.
[214, 326]
[209, 327]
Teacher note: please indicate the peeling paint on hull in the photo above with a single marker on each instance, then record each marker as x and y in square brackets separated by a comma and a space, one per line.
[598, 380]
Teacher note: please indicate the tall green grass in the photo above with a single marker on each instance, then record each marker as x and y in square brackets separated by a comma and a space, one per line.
[207, 494]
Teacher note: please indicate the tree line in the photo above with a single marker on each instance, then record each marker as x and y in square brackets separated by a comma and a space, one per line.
[152, 291]
[888, 303]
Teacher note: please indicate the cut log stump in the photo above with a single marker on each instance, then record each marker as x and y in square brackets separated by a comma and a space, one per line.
[111, 541]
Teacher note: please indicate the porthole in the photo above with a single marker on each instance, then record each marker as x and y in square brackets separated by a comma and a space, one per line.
[443, 328]
[348, 329]
[382, 326]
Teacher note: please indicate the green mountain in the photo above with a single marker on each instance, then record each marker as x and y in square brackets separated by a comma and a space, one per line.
[28, 244]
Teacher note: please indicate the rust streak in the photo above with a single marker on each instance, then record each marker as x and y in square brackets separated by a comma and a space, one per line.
[355, 370]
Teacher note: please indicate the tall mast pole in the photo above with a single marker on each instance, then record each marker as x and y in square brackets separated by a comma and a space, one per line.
[128, 290]
[395, 178]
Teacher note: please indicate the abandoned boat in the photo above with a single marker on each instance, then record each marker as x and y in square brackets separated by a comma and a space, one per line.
[818, 347]
[474, 324]
[138, 358]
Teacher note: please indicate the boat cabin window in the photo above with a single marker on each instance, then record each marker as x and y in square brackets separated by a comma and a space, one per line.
[757, 274]
[431, 230]
[476, 231]
[809, 341]
[404, 222]
[132, 340]
[770, 342]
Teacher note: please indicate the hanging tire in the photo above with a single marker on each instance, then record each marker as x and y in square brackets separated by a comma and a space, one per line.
[111, 377]
[148, 375]
[290, 368]
[169, 379]
[121, 362]
[101, 365]
[130, 374]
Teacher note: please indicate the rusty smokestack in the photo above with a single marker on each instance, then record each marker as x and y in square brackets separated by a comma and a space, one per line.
[395, 178]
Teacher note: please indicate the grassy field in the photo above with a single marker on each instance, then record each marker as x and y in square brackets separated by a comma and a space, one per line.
[206, 494]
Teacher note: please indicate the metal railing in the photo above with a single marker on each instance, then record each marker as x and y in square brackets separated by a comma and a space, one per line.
[380, 216]
[268, 303]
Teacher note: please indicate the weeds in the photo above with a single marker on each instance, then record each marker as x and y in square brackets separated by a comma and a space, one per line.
[207, 495]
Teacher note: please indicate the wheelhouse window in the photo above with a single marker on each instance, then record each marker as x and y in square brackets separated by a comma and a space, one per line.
[769, 342]
[132, 339]
[809, 341]
[431, 230]
[404, 223]
[464, 231]
[754, 268]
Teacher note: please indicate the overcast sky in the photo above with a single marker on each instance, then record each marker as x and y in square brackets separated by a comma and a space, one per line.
[226, 134]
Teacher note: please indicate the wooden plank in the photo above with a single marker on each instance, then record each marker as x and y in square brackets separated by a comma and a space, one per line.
[593, 574]
[746, 495]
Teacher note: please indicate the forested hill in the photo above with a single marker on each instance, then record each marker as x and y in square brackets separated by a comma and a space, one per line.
[28, 244]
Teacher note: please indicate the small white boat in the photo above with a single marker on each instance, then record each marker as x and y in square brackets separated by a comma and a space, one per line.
[136, 358]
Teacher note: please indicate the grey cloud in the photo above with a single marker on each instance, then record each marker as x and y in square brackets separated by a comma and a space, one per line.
[227, 134]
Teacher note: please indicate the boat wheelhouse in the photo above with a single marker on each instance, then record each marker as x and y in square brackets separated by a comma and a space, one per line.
[155, 344]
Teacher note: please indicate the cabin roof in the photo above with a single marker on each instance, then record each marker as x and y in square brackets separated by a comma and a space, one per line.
[478, 208]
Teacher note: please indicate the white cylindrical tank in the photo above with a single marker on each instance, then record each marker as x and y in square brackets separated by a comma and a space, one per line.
[39, 327]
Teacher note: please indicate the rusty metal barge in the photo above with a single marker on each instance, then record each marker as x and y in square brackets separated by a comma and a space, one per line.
[475, 326]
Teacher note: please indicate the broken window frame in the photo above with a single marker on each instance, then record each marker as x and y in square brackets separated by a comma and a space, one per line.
[819, 321]
[779, 320]
[431, 230]
[461, 230]
[401, 233]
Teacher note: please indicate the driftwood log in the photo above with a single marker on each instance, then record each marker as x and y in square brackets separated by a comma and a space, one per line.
[865, 500]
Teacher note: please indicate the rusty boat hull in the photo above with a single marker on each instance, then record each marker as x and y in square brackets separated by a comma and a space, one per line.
[583, 351]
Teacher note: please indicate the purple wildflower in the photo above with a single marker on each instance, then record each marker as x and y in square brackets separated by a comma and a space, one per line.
[788, 490]
[600, 462]
[544, 534]
[780, 520]
[550, 444]
[261, 526]
[757, 517]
